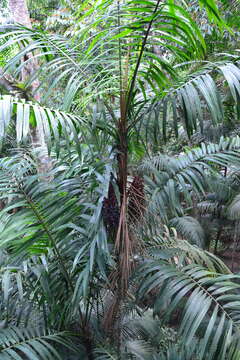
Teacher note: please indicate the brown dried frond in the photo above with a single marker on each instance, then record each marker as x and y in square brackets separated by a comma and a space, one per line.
[120, 276]
[136, 200]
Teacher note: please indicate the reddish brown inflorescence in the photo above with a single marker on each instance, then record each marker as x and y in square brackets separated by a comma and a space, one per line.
[110, 210]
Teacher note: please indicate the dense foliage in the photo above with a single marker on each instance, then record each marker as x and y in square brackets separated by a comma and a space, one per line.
[119, 180]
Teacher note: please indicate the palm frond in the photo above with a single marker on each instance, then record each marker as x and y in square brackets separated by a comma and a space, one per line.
[51, 125]
[105, 354]
[121, 57]
[189, 228]
[29, 343]
[174, 177]
[37, 223]
[131, 27]
[186, 98]
[181, 251]
[210, 307]
[139, 349]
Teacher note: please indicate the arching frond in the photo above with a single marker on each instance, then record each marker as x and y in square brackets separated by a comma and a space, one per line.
[174, 177]
[20, 185]
[210, 304]
[187, 98]
[190, 229]
[38, 225]
[207, 207]
[113, 34]
[51, 125]
[29, 343]
[170, 247]
[102, 353]
[49, 220]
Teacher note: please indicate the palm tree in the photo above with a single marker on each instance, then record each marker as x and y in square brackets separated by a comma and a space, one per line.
[111, 67]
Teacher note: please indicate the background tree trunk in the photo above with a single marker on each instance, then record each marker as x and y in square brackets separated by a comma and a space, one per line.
[20, 14]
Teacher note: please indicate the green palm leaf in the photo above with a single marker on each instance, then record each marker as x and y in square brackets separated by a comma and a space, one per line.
[49, 123]
[31, 344]
[211, 304]
[174, 176]
[190, 229]
[166, 24]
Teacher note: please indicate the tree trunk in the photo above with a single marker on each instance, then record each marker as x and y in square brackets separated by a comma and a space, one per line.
[19, 11]
[20, 14]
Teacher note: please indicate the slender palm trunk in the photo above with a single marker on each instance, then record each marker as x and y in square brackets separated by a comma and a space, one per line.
[122, 239]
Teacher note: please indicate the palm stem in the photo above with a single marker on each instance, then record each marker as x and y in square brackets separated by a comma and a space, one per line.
[140, 57]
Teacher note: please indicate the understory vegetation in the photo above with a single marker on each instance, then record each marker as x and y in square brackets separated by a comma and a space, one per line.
[119, 180]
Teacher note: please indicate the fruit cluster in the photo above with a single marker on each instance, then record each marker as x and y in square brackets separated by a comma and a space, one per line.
[110, 210]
